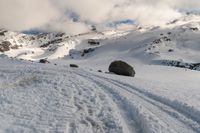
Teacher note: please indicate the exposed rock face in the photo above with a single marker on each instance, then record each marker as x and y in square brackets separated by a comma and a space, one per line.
[2, 32]
[51, 42]
[93, 42]
[192, 66]
[5, 46]
[121, 68]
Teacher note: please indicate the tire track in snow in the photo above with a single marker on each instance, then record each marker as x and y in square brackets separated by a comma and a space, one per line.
[123, 105]
[171, 112]
[183, 109]
[105, 113]
[133, 127]
[168, 109]
[151, 98]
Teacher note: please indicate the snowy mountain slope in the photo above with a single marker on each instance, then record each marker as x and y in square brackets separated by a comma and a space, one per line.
[51, 46]
[53, 97]
[178, 40]
[34, 47]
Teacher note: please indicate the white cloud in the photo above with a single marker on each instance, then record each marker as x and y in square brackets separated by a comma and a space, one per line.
[67, 27]
[26, 14]
[50, 15]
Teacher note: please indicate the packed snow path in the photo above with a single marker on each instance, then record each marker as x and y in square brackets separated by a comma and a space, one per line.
[37, 99]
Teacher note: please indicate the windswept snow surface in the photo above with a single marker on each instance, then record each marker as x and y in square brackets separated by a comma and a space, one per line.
[37, 98]
[48, 98]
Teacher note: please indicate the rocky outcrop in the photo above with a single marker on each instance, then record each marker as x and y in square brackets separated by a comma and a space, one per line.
[5, 46]
[93, 42]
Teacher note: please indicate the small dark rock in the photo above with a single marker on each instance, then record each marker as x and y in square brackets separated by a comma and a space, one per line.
[86, 51]
[45, 61]
[73, 65]
[169, 33]
[168, 40]
[100, 71]
[170, 50]
[93, 28]
[157, 41]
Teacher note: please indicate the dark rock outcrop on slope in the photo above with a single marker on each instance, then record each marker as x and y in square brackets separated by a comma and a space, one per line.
[87, 51]
[2, 32]
[121, 68]
[51, 42]
[180, 64]
[93, 42]
[45, 61]
[5, 46]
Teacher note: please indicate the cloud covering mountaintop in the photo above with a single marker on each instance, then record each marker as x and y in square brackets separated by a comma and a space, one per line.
[76, 16]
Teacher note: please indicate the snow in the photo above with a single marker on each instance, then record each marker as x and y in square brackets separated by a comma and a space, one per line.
[53, 97]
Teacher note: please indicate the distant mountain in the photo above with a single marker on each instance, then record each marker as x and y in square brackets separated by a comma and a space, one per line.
[177, 40]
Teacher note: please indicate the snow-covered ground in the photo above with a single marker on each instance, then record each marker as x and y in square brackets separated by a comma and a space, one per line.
[55, 98]
[49, 98]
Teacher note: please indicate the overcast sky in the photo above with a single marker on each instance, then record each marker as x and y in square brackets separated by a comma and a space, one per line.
[76, 16]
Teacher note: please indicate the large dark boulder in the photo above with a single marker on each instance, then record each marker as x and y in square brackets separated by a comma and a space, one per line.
[121, 68]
